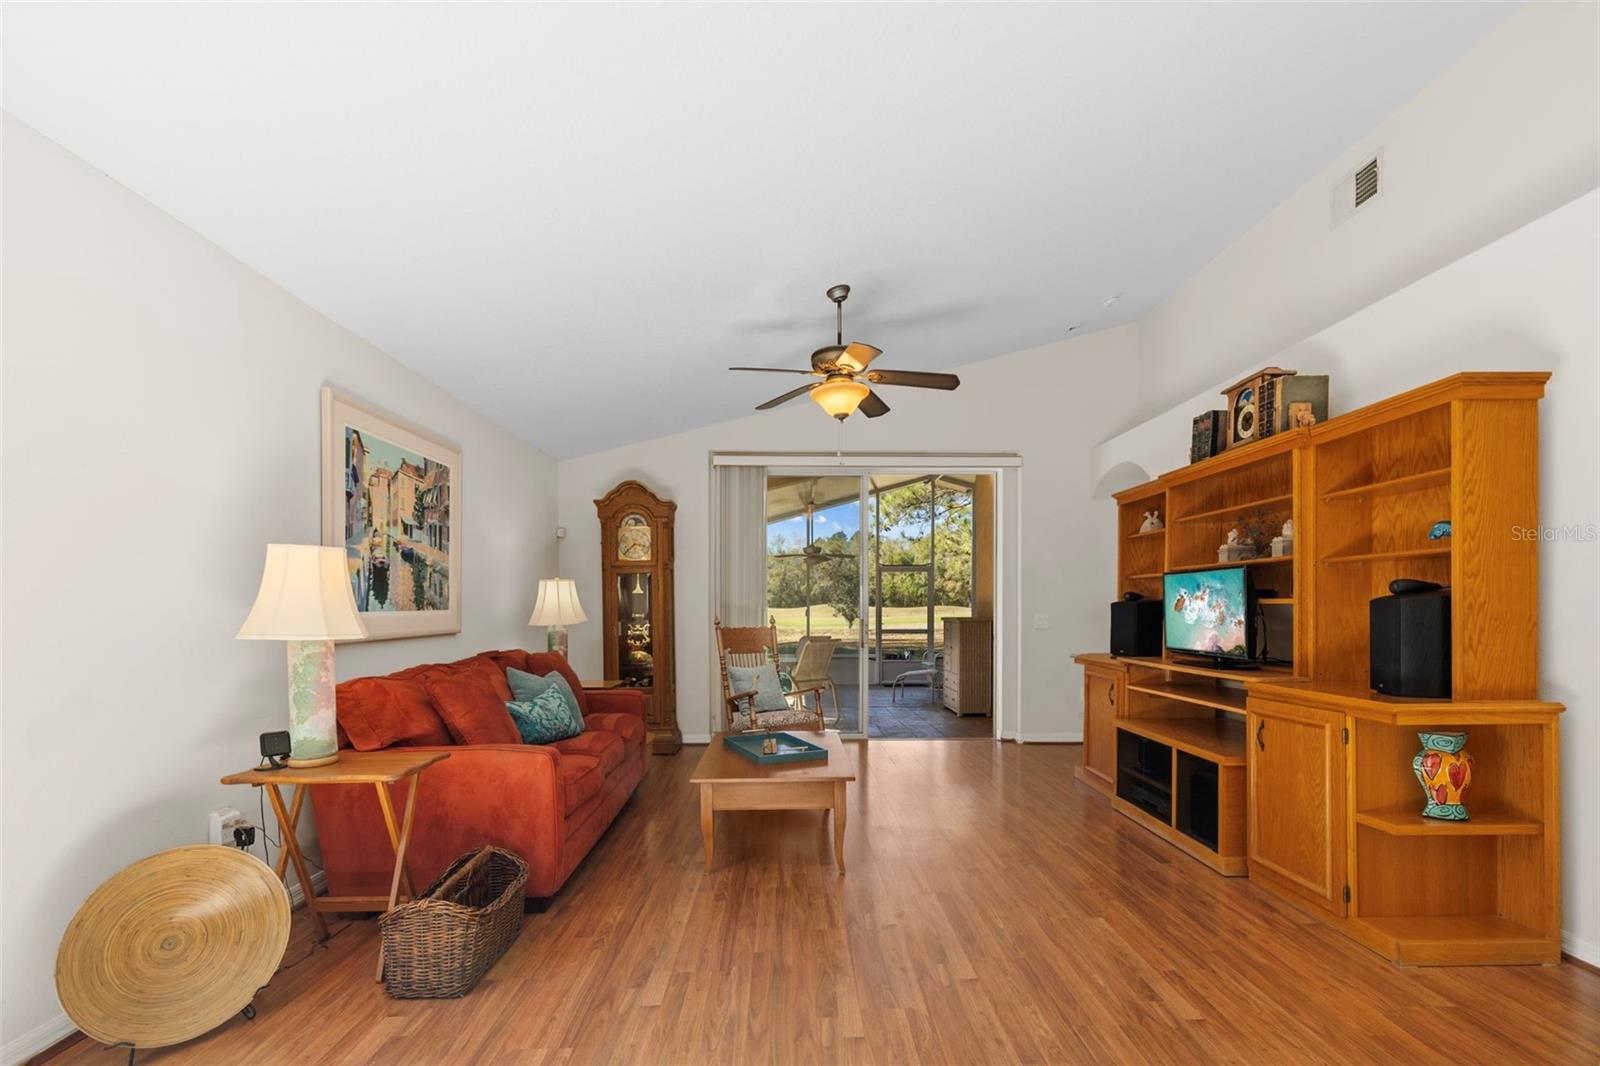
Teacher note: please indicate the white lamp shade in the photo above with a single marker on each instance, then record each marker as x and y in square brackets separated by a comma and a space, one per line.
[557, 604]
[305, 595]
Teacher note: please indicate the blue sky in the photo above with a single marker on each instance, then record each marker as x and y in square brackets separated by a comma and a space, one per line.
[841, 516]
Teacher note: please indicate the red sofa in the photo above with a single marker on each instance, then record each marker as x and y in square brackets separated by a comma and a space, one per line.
[547, 803]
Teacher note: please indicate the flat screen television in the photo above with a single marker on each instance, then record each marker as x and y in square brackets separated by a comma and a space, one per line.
[1208, 613]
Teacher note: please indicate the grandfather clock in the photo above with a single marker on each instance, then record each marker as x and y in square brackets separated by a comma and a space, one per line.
[636, 588]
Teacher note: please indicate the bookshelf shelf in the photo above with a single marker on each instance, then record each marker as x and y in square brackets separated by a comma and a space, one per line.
[1373, 557]
[1403, 819]
[1410, 483]
[1237, 509]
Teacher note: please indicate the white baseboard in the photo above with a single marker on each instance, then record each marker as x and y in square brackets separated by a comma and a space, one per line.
[697, 738]
[1049, 738]
[319, 882]
[1582, 950]
[21, 1049]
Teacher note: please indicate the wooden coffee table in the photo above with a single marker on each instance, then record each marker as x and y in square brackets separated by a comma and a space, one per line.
[730, 782]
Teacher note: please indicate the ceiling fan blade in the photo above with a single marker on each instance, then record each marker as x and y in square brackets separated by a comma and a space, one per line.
[777, 401]
[856, 356]
[919, 379]
[772, 370]
[873, 406]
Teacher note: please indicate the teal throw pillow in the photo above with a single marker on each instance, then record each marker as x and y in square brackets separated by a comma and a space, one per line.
[546, 719]
[527, 688]
[764, 679]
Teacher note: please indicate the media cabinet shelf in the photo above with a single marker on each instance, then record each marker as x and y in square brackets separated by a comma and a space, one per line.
[1213, 696]
[1265, 560]
[1236, 509]
[1275, 673]
[1409, 483]
[1373, 557]
[1218, 740]
[1315, 795]
[1150, 533]
[1405, 820]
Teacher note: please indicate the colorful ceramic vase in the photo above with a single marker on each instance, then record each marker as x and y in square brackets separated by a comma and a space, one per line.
[1444, 770]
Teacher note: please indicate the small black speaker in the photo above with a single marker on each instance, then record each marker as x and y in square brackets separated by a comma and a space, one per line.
[1410, 641]
[1136, 627]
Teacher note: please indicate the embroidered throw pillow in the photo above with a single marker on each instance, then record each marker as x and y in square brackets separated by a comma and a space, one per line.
[527, 688]
[545, 719]
[764, 679]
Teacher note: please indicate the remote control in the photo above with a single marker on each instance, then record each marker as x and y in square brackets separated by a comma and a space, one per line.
[1405, 586]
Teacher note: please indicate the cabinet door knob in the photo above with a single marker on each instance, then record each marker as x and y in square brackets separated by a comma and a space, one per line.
[1260, 728]
[1111, 693]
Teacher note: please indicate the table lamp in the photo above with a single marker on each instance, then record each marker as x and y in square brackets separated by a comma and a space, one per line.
[306, 599]
[557, 608]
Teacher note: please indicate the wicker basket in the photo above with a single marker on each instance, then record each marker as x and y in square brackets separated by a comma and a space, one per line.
[438, 945]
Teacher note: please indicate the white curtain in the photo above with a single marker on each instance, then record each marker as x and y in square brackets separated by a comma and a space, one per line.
[741, 563]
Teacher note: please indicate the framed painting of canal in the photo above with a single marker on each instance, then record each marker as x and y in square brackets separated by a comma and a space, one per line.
[391, 496]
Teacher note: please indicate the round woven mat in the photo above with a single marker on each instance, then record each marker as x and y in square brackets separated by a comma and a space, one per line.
[173, 946]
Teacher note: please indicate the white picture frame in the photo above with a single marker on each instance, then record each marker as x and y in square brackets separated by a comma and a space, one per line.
[386, 508]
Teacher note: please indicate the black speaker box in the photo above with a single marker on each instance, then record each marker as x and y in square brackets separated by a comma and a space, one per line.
[1136, 627]
[1410, 638]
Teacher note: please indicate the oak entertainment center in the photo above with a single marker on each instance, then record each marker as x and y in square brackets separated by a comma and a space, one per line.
[1299, 775]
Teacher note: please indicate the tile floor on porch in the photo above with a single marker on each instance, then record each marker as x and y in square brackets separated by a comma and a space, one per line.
[915, 712]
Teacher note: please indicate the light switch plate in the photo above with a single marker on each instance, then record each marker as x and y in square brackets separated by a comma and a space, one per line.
[1041, 621]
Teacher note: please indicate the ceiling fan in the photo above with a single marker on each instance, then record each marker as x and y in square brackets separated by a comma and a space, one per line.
[844, 368]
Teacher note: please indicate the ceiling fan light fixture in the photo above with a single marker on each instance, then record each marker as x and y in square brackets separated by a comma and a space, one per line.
[840, 396]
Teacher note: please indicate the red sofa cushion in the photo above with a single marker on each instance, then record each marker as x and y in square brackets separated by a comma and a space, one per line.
[608, 748]
[381, 712]
[581, 778]
[630, 727]
[473, 711]
[511, 657]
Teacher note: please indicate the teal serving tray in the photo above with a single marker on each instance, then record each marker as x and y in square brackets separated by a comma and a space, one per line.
[790, 748]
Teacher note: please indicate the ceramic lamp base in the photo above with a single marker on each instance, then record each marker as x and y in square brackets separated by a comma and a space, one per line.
[556, 640]
[301, 764]
[313, 732]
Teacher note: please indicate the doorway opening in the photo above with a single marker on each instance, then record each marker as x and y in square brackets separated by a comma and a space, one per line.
[871, 578]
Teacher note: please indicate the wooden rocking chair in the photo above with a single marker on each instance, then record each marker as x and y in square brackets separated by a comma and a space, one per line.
[753, 646]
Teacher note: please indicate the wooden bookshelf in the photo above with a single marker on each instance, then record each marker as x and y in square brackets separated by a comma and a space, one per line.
[1331, 809]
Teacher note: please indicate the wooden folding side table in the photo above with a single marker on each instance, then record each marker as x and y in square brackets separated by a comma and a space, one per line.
[377, 768]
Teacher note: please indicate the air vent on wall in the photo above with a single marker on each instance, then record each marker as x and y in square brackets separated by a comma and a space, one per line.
[1358, 187]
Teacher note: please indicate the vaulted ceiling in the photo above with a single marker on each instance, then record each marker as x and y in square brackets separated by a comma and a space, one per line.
[574, 216]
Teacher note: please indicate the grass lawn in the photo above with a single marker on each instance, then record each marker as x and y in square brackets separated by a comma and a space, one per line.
[825, 622]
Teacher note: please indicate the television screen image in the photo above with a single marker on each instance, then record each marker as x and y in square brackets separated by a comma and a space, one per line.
[1208, 612]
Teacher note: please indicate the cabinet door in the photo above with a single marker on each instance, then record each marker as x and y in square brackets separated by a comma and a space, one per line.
[1099, 724]
[1297, 816]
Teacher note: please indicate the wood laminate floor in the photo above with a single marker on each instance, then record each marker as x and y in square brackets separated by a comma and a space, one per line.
[994, 911]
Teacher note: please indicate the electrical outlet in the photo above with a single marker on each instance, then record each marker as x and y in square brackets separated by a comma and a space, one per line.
[222, 822]
[1041, 621]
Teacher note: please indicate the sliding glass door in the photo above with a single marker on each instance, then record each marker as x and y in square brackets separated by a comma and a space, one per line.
[862, 571]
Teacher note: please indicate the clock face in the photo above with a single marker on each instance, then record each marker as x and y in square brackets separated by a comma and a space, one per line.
[1244, 415]
[633, 539]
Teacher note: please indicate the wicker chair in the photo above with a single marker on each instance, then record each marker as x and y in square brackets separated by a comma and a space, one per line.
[751, 646]
[812, 659]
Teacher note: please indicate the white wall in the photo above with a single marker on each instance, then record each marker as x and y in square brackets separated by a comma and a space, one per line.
[1508, 134]
[1525, 302]
[160, 427]
[1050, 405]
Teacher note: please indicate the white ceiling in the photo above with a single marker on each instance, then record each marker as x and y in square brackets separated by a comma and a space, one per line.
[573, 217]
